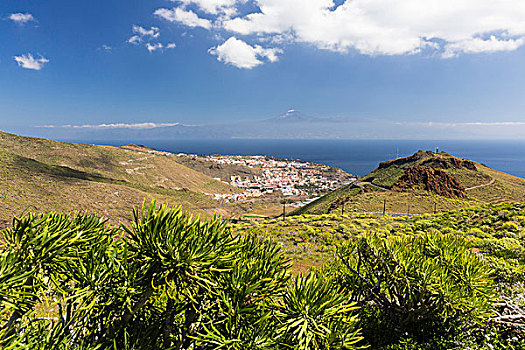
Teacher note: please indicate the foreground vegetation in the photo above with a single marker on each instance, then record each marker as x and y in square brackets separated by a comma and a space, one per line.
[169, 281]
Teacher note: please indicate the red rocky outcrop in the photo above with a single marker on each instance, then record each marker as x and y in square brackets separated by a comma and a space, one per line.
[430, 179]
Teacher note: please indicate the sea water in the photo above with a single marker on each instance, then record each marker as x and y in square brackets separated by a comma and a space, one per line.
[354, 156]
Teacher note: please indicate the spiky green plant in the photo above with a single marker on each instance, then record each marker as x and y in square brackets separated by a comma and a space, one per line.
[315, 314]
[416, 284]
[167, 281]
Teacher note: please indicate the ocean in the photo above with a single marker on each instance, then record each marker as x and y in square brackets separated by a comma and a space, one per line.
[354, 156]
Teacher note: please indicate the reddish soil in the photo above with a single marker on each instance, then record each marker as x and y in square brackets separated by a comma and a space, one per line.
[430, 179]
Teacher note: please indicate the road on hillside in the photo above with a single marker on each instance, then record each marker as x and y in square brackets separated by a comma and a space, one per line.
[478, 186]
[361, 185]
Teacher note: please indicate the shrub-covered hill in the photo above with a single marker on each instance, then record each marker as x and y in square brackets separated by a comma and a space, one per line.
[422, 183]
[498, 230]
[170, 281]
[42, 175]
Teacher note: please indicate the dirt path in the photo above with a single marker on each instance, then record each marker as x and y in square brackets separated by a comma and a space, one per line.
[478, 186]
[362, 186]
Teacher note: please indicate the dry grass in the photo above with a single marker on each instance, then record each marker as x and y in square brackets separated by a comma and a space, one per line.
[39, 175]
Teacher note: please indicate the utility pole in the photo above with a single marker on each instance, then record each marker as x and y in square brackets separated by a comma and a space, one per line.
[343, 208]
[435, 207]
[284, 209]
[384, 206]
[408, 209]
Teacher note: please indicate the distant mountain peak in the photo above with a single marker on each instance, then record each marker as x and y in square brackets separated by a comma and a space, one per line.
[293, 116]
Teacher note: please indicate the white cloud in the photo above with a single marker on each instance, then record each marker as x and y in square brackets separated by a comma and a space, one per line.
[242, 55]
[142, 33]
[21, 18]
[390, 27]
[478, 45]
[152, 32]
[372, 27]
[214, 7]
[147, 125]
[171, 46]
[106, 47]
[447, 28]
[154, 47]
[496, 123]
[29, 62]
[135, 39]
[186, 17]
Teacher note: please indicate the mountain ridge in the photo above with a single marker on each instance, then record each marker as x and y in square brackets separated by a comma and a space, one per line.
[423, 182]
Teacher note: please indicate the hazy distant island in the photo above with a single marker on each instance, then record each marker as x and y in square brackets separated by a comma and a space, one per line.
[292, 124]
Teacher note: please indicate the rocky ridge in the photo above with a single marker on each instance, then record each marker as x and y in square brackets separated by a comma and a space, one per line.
[430, 179]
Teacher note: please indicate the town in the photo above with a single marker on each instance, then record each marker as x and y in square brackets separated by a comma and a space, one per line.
[290, 178]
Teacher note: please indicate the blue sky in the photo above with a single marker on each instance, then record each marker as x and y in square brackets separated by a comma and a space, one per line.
[458, 64]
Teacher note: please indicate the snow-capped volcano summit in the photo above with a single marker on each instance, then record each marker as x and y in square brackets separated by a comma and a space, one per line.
[293, 116]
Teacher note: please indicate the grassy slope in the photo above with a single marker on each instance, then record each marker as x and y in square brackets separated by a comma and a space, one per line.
[310, 240]
[42, 175]
[506, 188]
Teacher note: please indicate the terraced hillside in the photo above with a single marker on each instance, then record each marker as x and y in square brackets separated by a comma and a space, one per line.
[422, 183]
[40, 175]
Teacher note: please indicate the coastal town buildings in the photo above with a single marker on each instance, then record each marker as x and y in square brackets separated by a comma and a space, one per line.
[290, 178]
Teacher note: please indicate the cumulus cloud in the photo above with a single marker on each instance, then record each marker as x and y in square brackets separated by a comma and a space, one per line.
[21, 18]
[147, 125]
[242, 55]
[215, 7]
[154, 47]
[477, 45]
[141, 33]
[29, 62]
[135, 39]
[147, 38]
[185, 17]
[152, 32]
[370, 27]
[390, 27]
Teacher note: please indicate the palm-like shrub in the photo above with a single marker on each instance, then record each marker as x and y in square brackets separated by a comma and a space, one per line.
[415, 285]
[166, 281]
[315, 315]
[34, 269]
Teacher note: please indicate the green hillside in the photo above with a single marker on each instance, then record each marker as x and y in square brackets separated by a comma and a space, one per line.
[42, 175]
[311, 239]
[422, 183]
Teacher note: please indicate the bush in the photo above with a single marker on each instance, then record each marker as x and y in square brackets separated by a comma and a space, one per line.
[510, 226]
[315, 315]
[420, 286]
[506, 247]
[167, 281]
[173, 282]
